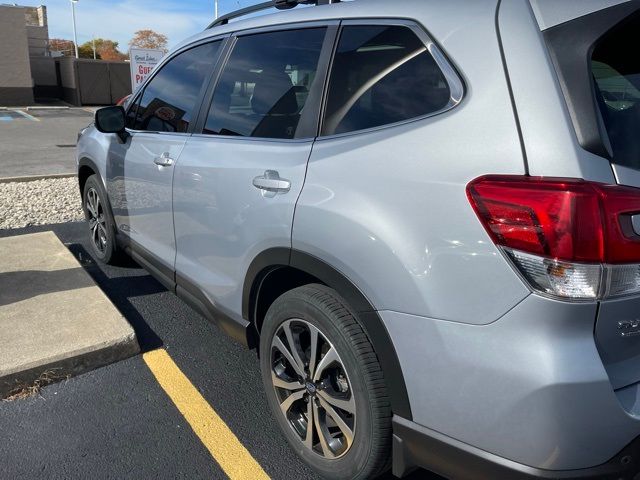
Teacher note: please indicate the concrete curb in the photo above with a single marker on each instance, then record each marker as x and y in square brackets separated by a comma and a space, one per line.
[36, 107]
[46, 108]
[33, 178]
[55, 322]
[70, 367]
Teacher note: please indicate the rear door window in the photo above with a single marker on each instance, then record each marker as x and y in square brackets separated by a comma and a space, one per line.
[615, 67]
[382, 75]
[168, 103]
[264, 87]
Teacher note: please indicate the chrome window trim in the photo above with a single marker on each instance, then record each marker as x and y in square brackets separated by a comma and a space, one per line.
[235, 35]
[451, 75]
[163, 62]
[285, 27]
[155, 132]
[253, 139]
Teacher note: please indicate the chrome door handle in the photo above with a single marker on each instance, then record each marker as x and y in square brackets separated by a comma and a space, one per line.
[271, 182]
[163, 160]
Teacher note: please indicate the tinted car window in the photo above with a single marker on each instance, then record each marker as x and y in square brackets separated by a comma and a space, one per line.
[264, 87]
[382, 75]
[616, 68]
[169, 99]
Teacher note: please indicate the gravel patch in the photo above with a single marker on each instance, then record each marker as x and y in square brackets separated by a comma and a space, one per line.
[41, 202]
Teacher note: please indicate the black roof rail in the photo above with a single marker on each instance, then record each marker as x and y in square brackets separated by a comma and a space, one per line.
[279, 4]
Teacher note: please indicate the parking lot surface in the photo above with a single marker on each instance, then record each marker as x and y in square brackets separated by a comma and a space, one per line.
[39, 141]
[142, 417]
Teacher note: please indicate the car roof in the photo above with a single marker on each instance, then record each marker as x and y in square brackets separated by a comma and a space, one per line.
[548, 13]
[356, 9]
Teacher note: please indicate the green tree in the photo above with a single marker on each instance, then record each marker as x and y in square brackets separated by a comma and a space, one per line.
[86, 51]
[105, 50]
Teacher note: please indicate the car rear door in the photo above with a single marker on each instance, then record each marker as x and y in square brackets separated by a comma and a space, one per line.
[240, 175]
[140, 170]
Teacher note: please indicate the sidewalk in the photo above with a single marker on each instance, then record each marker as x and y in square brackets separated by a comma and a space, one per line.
[54, 321]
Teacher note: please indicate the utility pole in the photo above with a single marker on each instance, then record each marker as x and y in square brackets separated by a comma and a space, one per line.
[73, 16]
[215, 8]
[94, 47]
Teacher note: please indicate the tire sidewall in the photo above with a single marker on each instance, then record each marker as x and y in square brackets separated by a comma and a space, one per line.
[354, 463]
[94, 182]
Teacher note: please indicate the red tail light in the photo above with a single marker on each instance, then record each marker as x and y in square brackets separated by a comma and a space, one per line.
[564, 219]
[559, 224]
[618, 205]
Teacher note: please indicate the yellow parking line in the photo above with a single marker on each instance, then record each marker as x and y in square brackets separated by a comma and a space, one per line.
[221, 442]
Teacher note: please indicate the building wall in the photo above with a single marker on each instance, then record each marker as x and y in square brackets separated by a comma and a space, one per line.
[36, 16]
[43, 71]
[38, 41]
[93, 82]
[43, 66]
[45, 80]
[16, 85]
[69, 86]
[67, 72]
[37, 30]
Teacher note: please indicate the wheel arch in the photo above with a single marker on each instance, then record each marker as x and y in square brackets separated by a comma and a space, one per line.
[278, 270]
[86, 168]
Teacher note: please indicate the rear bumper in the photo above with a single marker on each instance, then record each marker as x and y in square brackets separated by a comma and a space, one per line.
[417, 446]
[530, 387]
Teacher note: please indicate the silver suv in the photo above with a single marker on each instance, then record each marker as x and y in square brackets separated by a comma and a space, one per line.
[422, 214]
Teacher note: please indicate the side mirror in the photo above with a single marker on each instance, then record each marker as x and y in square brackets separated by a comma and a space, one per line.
[112, 120]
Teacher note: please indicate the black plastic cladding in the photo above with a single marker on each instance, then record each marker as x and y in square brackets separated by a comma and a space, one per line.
[365, 312]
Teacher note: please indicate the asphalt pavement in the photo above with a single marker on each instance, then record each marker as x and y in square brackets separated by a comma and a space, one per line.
[117, 422]
[40, 141]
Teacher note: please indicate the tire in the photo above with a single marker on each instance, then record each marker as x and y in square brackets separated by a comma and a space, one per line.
[97, 212]
[346, 372]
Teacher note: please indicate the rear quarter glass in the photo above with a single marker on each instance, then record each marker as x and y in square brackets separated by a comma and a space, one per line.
[595, 57]
[615, 65]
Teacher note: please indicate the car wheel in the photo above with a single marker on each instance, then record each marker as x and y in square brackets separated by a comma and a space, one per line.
[324, 384]
[101, 232]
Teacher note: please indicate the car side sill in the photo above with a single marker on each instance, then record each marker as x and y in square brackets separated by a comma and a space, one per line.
[150, 262]
[239, 330]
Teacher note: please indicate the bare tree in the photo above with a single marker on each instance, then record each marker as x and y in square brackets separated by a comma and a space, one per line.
[149, 39]
[61, 45]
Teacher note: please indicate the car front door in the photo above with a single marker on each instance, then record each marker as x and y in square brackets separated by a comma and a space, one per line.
[238, 180]
[140, 171]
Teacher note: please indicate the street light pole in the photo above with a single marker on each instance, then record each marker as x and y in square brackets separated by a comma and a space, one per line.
[215, 6]
[73, 16]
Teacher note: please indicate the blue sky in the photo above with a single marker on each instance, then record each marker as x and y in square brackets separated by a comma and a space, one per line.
[119, 19]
